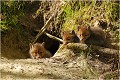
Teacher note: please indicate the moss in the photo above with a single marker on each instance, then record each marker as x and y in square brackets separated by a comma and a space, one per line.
[111, 76]
[11, 12]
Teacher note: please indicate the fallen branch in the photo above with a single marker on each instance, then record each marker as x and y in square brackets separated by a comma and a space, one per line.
[78, 48]
[46, 25]
[106, 50]
[43, 29]
[53, 37]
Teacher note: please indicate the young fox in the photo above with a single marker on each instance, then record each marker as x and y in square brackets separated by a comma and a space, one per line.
[69, 37]
[37, 51]
[91, 35]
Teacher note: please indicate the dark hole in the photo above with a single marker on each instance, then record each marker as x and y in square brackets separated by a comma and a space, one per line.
[51, 45]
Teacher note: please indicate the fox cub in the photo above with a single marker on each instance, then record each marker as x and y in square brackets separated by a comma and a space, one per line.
[69, 37]
[37, 51]
[91, 35]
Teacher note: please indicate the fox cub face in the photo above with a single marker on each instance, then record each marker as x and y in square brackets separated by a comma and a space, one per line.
[37, 51]
[83, 33]
[68, 36]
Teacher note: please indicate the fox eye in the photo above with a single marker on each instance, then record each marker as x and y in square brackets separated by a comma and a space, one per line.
[36, 52]
[68, 38]
[85, 35]
[40, 52]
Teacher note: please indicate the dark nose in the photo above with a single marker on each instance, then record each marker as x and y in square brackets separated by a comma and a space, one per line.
[38, 57]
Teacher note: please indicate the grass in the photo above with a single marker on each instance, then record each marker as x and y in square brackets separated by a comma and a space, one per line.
[107, 11]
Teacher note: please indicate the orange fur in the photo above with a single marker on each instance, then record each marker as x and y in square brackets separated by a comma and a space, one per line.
[37, 51]
[69, 37]
[83, 33]
[91, 35]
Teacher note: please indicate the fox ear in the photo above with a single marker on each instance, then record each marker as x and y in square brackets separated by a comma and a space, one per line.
[78, 27]
[31, 45]
[43, 44]
[72, 32]
[88, 27]
[62, 33]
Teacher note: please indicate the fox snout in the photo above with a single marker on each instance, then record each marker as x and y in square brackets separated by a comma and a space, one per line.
[37, 57]
[82, 40]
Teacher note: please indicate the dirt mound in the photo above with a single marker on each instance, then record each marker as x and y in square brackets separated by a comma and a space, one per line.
[71, 64]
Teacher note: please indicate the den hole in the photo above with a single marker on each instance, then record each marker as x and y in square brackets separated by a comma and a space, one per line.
[51, 45]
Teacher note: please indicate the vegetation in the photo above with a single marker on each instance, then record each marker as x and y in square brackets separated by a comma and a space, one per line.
[83, 12]
[20, 21]
[11, 12]
[74, 13]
